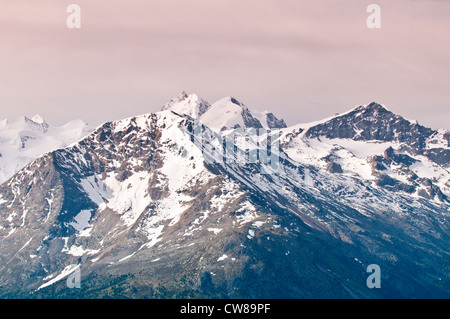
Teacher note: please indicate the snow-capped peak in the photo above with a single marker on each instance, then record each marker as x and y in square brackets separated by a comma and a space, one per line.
[38, 119]
[36, 123]
[23, 139]
[228, 112]
[188, 104]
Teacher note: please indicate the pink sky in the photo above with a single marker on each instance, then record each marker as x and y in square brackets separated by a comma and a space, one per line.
[304, 60]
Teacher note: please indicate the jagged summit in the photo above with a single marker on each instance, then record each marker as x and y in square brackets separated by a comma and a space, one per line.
[38, 119]
[373, 106]
[188, 104]
[234, 101]
[373, 122]
[37, 122]
[227, 112]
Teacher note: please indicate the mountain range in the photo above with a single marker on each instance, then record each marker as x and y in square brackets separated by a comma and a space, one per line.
[150, 207]
[24, 139]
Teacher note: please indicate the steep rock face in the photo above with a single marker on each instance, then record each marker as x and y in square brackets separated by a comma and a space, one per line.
[373, 122]
[333, 167]
[375, 144]
[249, 120]
[273, 122]
[147, 207]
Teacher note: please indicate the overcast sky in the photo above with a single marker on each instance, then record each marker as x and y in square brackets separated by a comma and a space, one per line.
[303, 60]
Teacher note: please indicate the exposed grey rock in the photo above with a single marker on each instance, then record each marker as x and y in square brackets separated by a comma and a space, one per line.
[373, 122]
[273, 122]
[249, 120]
[333, 167]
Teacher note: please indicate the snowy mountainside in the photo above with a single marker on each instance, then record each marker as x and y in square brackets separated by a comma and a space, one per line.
[375, 145]
[149, 207]
[24, 139]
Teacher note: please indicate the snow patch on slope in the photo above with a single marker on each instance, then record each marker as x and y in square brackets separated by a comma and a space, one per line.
[128, 198]
[66, 272]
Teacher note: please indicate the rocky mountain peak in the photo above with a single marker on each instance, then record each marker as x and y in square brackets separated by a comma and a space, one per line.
[234, 101]
[374, 106]
[38, 119]
[188, 104]
[37, 122]
[373, 122]
[228, 112]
